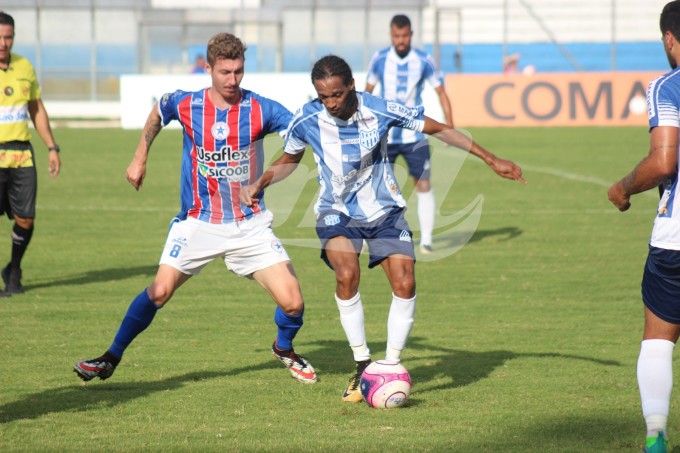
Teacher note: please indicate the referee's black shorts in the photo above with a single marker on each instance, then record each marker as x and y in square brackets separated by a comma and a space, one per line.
[18, 186]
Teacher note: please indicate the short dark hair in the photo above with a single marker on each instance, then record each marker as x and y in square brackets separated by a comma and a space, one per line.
[670, 18]
[6, 19]
[400, 21]
[330, 66]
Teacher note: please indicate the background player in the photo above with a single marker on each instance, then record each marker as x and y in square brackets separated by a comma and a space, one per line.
[402, 71]
[18, 177]
[360, 199]
[661, 277]
[223, 149]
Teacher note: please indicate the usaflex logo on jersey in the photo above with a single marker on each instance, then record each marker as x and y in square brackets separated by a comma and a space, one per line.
[220, 130]
[331, 220]
[369, 139]
[224, 163]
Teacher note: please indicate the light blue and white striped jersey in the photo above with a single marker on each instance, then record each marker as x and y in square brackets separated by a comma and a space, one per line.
[402, 80]
[351, 156]
[663, 109]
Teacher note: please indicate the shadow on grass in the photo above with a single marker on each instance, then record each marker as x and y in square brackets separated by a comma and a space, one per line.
[81, 397]
[328, 357]
[462, 367]
[467, 367]
[102, 275]
[509, 233]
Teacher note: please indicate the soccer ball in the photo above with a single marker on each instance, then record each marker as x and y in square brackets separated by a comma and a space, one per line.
[385, 385]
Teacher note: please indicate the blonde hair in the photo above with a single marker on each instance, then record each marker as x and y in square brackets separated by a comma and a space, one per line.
[225, 45]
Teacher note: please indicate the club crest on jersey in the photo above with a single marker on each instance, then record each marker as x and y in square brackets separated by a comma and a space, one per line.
[9, 91]
[220, 130]
[331, 220]
[369, 139]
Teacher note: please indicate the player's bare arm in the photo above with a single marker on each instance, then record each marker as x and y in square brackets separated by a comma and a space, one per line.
[41, 121]
[660, 163]
[136, 171]
[446, 104]
[280, 169]
[447, 134]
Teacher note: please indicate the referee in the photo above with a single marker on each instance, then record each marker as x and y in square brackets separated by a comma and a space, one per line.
[19, 100]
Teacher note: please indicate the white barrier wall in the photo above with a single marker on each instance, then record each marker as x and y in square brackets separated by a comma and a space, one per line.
[138, 93]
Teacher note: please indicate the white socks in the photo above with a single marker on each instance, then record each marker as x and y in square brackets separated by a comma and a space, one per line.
[426, 216]
[655, 380]
[352, 320]
[399, 325]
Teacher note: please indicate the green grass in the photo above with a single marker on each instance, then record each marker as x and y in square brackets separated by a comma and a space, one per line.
[526, 336]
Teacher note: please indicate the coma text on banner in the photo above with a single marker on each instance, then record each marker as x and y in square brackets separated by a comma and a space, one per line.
[556, 99]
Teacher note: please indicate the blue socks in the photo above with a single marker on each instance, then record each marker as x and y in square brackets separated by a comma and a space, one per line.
[138, 317]
[288, 328]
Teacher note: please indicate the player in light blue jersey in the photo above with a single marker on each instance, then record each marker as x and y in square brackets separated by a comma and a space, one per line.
[359, 197]
[224, 126]
[401, 71]
[661, 276]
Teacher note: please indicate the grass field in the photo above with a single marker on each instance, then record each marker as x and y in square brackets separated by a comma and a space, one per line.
[526, 336]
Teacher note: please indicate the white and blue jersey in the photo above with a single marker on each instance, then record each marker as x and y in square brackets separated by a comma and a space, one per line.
[402, 80]
[663, 109]
[222, 151]
[354, 174]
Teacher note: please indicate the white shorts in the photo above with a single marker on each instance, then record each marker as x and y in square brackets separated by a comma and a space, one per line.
[245, 246]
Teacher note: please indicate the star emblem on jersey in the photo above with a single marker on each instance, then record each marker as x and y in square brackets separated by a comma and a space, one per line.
[277, 247]
[220, 130]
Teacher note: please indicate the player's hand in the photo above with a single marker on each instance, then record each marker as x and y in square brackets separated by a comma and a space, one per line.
[248, 193]
[507, 169]
[619, 197]
[55, 163]
[136, 172]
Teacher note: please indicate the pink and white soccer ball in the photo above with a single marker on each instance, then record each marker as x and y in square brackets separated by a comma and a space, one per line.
[385, 385]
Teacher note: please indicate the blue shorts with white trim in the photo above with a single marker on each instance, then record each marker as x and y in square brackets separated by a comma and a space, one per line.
[386, 236]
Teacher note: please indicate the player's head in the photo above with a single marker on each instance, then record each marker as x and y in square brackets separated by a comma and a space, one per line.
[227, 46]
[6, 36]
[401, 34]
[332, 78]
[670, 30]
[226, 56]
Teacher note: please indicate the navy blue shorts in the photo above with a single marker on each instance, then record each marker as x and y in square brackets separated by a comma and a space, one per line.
[386, 236]
[661, 284]
[417, 156]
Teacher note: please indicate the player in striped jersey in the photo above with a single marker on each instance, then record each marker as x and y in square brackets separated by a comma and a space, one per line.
[661, 276]
[224, 127]
[359, 197]
[401, 71]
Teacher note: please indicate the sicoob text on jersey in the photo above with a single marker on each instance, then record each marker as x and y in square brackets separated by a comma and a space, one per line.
[225, 162]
